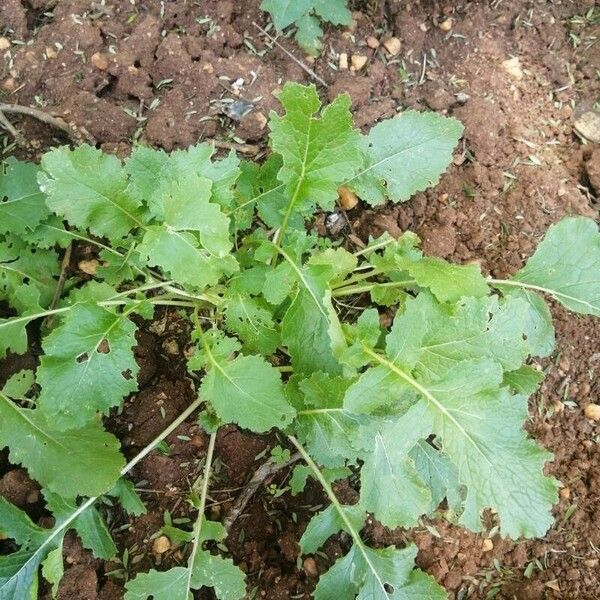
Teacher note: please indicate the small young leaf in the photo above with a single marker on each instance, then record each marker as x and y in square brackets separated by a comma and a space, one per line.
[328, 522]
[124, 490]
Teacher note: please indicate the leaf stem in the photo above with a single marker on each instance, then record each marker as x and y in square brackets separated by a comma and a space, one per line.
[359, 289]
[328, 490]
[375, 247]
[554, 293]
[359, 277]
[201, 507]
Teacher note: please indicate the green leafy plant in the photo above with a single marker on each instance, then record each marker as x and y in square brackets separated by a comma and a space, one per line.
[306, 17]
[431, 408]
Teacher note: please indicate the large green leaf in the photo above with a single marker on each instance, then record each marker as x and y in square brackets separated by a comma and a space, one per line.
[76, 462]
[566, 265]
[90, 190]
[405, 155]
[480, 427]
[22, 205]
[88, 365]
[318, 153]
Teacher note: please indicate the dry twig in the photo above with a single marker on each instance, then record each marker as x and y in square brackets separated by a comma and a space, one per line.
[41, 116]
[264, 471]
[306, 68]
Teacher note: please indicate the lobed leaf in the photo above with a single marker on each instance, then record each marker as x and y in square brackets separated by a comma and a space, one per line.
[405, 155]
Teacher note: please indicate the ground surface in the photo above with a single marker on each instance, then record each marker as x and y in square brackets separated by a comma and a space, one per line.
[161, 71]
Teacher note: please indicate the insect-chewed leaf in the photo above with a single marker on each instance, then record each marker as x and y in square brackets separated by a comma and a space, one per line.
[405, 155]
[566, 265]
[327, 523]
[90, 190]
[251, 319]
[318, 153]
[88, 365]
[77, 462]
[390, 486]
[22, 205]
[248, 391]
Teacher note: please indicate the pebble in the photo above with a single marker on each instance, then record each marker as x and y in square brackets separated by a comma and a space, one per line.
[462, 98]
[161, 545]
[310, 567]
[565, 493]
[4, 44]
[513, 67]
[446, 24]
[591, 563]
[99, 61]
[88, 266]
[392, 45]
[487, 545]
[51, 52]
[372, 42]
[358, 61]
[588, 125]
[343, 62]
[347, 198]
[592, 412]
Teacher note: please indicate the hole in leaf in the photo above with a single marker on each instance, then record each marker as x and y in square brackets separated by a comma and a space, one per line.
[127, 374]
[104, 347]
[82, 358]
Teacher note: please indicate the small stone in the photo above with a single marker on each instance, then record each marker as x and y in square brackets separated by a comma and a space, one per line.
[4, 44]
[9, 84]
[565, 493]
[462, 98]
[358, 61]
[89, 267]
[310, 567]
[423, 27]
[588, 125]
[487, 545]
[171, 347]
[347, 198]
[161, 545]
[208, 68]
[261, 119]
[446, 24]
[51, 52]
[310, 59]
[343, 62]
[33, 497]
[99, 61]
[372, 42]
[513, 67]
[392, 45]
[553, 585]
[591, 563]
[592, 412]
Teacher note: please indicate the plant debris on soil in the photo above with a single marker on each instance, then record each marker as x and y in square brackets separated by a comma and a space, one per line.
[518, 75]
